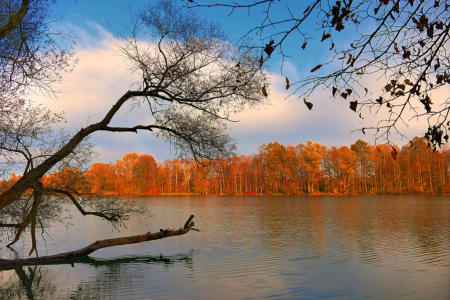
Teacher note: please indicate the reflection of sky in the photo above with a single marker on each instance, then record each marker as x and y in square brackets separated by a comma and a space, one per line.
[390, 247]
[101, 77]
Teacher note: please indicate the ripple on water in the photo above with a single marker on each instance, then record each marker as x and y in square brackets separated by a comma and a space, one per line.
[390, 247]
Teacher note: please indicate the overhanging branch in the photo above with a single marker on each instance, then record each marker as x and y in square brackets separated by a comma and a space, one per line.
[112, 217]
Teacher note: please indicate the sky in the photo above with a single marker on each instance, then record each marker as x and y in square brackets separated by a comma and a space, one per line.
[101, 76]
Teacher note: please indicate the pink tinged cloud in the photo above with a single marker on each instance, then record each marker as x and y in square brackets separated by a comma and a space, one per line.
[101, 76]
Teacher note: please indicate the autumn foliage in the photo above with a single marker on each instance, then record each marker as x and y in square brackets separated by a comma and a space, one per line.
[309, 168]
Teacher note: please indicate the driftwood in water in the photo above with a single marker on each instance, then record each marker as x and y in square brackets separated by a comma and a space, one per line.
[98, 245]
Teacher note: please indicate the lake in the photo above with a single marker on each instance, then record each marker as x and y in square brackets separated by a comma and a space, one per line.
[254, 247]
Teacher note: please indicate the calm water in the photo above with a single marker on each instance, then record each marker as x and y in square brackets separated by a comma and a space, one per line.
[365, 247]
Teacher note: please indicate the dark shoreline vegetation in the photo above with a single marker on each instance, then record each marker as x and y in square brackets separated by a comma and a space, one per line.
[305, 169]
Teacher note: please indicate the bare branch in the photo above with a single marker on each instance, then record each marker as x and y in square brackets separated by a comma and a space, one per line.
[163, 233]
[108, 216]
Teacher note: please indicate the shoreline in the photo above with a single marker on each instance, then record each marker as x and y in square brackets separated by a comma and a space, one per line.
[261, 195]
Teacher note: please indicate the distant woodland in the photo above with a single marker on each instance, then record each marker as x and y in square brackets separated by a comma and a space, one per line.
[309, 168]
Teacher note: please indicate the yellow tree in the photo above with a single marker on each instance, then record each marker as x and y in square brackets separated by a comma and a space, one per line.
[145, 172]
[101, 177]
[310, 160]
[361, 149]
[291, 169]
[126, 173]
[346, 162]
[274, 155]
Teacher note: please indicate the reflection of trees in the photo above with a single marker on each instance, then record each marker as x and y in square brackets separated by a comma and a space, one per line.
[431, 230]
[28, 283]
[112, 276]
[370, 228]
[37, 282]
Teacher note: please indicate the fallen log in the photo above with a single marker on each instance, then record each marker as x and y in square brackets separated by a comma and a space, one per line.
[60, 257]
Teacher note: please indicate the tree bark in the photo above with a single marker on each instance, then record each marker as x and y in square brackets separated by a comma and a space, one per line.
[15, 20]
[61, 257]
[28, 180]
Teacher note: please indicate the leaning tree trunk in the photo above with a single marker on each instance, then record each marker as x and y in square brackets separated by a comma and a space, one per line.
[61, 257]
[30, 178]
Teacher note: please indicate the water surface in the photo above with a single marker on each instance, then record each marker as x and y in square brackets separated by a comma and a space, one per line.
[361, 247]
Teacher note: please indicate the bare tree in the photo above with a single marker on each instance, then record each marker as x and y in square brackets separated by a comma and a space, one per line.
[29, 52]
[403, 42]
[191, 79]
[30, 60]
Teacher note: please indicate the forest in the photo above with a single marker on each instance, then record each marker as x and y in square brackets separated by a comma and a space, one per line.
[309, 168]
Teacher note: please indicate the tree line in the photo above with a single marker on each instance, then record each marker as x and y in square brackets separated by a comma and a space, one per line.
[309, 168]
[189, 79]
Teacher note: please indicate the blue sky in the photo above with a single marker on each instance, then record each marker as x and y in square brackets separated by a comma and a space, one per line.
[101, 76]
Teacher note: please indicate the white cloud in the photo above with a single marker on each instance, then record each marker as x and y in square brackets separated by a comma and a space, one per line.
[102, 76]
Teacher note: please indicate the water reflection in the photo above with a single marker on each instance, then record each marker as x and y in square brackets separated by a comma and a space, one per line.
[374, 247]
[122, 277]
[374, 228]
[111, 277]
[26, 283]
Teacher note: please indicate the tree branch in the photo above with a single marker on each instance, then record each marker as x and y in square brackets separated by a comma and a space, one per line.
[15, 20]
[113, 217]
[31, 217]
[9, 225]
[60, 257]
[35, 174]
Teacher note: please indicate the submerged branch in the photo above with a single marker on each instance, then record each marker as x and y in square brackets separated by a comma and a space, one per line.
[7, 263]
